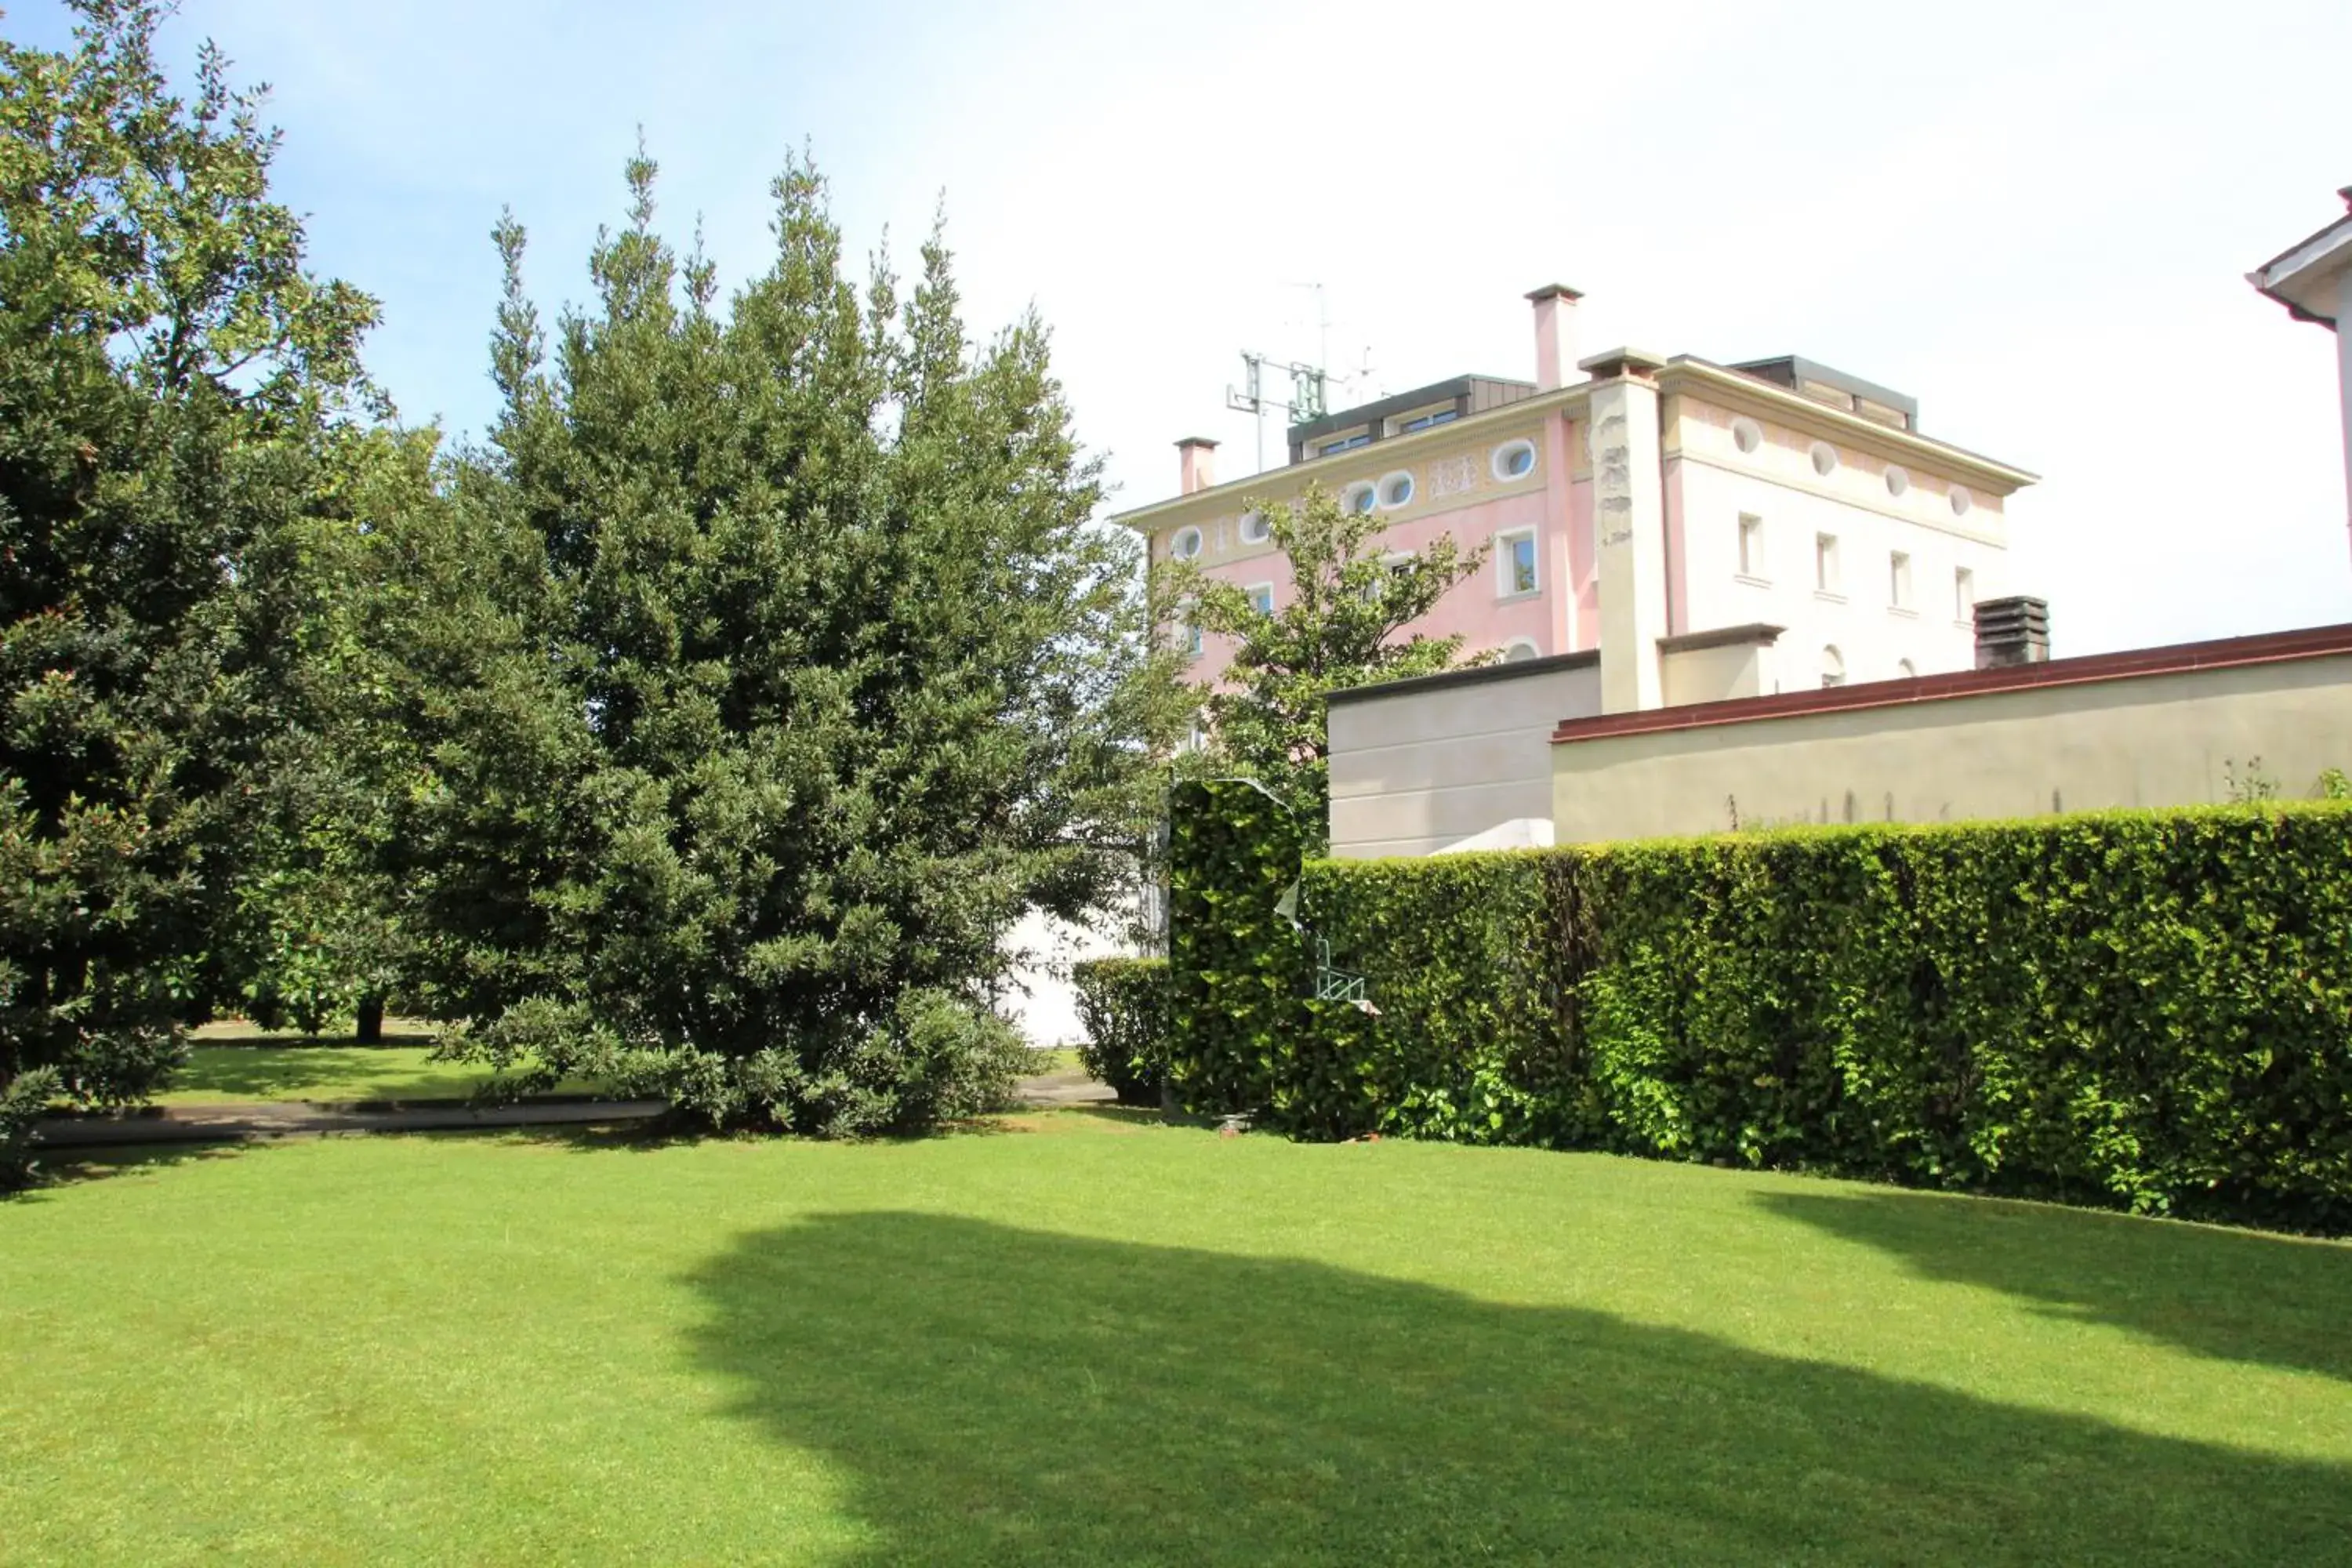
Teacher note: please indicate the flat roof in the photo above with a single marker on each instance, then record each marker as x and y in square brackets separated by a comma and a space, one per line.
[1476, 675]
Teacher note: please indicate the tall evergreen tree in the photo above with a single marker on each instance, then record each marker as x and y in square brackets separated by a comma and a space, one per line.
[1349, 603]
[171, 384]
[821, 677]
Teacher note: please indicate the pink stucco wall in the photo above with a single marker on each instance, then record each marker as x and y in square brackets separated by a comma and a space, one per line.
[1475, 608]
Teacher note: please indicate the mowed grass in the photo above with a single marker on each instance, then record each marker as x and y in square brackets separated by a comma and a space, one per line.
[1085, 1339]
[219, 1075]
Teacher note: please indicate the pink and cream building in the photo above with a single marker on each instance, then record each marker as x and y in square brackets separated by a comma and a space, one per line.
[1707, 531]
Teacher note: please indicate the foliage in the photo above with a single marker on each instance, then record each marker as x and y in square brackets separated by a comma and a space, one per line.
[805, 674]
[1123, 1002]
[1348, 603]
[1237, 967]
[2144, 1010]
[175, 389]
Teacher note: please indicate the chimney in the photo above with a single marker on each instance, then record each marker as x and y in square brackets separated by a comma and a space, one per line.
[2013, 631]
[1555, 306]
[1199, 456]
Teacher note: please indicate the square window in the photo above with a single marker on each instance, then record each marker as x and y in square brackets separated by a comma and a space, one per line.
[1898, 581]
[1825, 563]
[1515, 563]
[1261, 597]
[1964, 594]
[1751, 545]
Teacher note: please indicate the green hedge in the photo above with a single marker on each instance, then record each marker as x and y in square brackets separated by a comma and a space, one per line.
[1237, 968]
[1123, 1002]
[2146, 1010]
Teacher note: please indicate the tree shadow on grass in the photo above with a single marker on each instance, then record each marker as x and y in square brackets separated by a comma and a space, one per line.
[56, 1168]
[2277, 1301]
[1001, 1395]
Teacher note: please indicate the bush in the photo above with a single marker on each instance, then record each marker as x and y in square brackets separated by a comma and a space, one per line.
[1123, 1001]
[1237, 974]
[2148, 1010]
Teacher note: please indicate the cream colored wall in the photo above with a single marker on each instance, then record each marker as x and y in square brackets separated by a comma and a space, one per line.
[1417, 771]
[2151, 741]
[1714, 674]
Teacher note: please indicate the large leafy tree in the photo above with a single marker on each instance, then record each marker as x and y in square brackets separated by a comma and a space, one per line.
[812, 675]
[1348, 623]
[173, 385]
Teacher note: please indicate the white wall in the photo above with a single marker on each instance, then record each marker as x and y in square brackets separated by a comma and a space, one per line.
[1777, 484]
[1432, 762]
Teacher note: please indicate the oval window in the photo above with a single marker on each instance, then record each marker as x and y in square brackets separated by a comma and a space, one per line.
[1520, 652]
[1898, 480]
[1254, 528]
[1961, 501]
[1825, 458]
[1396, 491]
[1746, 433]
[1514, 460]
[1186, 544]
[1359, 498]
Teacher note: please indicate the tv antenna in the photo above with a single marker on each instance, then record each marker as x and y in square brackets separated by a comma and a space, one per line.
[1310, 385]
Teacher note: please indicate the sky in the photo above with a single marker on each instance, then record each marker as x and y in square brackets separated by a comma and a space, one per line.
[2035, 219]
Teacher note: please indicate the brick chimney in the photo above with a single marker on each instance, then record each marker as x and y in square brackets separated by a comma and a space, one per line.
[1198, 455]
[1555, 306]
[2013, 631]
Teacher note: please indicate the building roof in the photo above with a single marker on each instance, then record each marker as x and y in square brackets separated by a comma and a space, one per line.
[2303, 276]
[1684, 372]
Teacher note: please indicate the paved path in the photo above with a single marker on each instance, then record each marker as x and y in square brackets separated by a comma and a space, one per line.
[292, 1119]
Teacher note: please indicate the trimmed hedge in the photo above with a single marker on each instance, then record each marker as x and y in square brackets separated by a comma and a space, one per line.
[1123, 1002]
[2149, 1010]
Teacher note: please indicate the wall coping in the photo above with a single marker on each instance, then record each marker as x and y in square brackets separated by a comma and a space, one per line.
[1755, 634]
[1477, 675]
[2224, 653]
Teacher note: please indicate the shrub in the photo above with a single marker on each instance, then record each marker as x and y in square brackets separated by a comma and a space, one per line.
[1123, 1001]
[2146, 1010]
[1238, 966]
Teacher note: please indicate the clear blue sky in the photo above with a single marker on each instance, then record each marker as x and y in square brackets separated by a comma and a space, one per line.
[2034, 218]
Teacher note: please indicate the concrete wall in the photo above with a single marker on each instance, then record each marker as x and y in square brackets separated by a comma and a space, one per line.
[2072, 736]
[1419, 764]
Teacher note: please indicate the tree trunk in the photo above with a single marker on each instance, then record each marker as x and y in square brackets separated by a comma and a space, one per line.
[371, 1030]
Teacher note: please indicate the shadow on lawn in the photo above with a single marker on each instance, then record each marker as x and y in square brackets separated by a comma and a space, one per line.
[1000, 1395]
[2237, 1295]
[269, 1070]
[56, 1168]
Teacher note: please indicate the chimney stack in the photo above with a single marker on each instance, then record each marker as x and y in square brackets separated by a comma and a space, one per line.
[1198, 455]
[2013, 631]
[1555, 306]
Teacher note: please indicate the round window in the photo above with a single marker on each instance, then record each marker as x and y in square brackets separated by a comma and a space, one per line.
[1360, 498]
[1961, 501]
[1396, 491]
[1825, 458]
[1746, 433]
[1254, 529]
[1520, 652]
[1186, 544]
[1514, 460]
[1897, 481]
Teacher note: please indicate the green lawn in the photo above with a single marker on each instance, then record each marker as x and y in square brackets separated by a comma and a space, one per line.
[1082, 1339]
[219, 1075]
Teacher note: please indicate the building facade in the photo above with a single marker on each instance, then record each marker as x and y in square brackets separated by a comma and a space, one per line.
[1641, 506]
[2313, 279]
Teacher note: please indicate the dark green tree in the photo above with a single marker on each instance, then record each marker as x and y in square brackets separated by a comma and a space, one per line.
[1349, 603]
[171, 381]
[812, 677]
